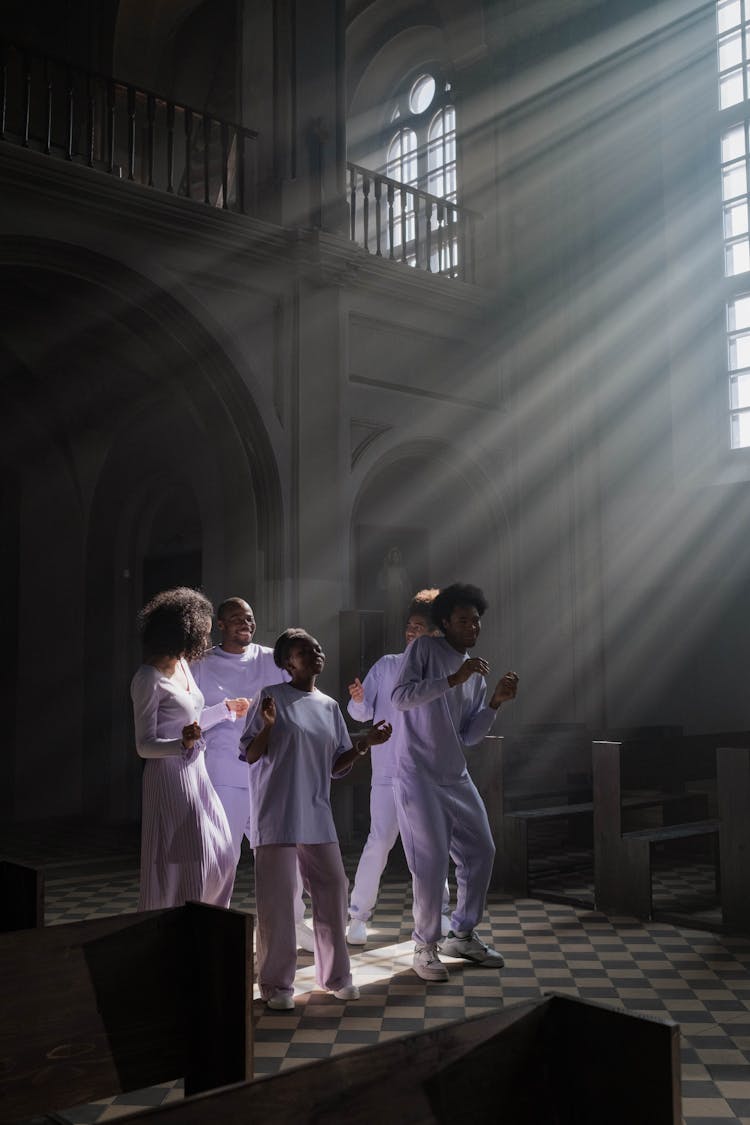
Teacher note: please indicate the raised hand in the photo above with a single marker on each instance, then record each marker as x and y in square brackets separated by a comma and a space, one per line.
[190, 735]
[356, 691]
[378, 733]
[506, 689]
[240, 706]
[268, 710]
[474, 666]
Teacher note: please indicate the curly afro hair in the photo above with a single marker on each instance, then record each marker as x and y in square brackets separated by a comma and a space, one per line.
[176, 622]
[457, 594]
[284, 643]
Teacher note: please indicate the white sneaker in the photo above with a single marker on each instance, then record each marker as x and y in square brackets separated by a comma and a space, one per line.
[280, 1001]
[427, 964]
[471, 948]
[348, 992]
[357, 932]
[305, 937]
[445, 924]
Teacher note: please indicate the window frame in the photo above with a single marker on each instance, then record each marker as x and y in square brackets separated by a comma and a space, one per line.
[733, 118]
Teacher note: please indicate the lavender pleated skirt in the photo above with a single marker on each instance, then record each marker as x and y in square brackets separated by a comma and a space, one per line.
[186, 845]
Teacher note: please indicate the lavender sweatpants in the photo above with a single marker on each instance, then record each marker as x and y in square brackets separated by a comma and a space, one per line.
[436, 821]
[383, 835]
[275, 893]
[236, 802]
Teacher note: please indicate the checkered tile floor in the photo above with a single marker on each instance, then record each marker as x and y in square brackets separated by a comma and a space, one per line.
[697, 978]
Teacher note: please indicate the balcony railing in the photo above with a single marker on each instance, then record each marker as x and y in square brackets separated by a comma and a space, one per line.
[85, 118]
[403, 223]
[123, 130]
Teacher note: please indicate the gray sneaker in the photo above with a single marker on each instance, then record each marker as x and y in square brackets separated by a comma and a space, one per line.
[471, 948]
[427, 964]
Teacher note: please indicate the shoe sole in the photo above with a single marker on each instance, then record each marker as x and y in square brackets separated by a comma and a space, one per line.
[356, 941]
[432, 979]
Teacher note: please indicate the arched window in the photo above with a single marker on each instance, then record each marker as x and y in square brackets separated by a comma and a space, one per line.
[421, 153]
[441, 154]
[401, 163]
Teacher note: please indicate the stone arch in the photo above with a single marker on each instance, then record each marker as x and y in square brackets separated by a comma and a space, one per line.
[118, 372]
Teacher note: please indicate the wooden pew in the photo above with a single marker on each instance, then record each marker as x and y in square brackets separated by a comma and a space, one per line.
[542, 776]
[21, 897]
[552, 1060]
[733, 774]
[546, 768]
[96, 1008]
[622, 857]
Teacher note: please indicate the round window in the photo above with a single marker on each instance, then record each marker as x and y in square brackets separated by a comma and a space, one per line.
[422, 93]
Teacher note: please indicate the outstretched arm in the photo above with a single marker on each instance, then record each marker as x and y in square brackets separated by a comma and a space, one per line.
[377, 734]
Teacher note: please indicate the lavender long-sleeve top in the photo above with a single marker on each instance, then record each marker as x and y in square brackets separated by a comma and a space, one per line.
[439, 721]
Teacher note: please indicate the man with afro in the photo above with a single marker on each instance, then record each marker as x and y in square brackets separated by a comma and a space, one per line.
[442, 693]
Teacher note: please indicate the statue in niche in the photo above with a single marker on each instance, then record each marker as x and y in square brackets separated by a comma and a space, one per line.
[393, 580]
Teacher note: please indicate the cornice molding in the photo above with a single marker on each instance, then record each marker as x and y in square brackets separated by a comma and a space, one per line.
[36, 175]
[322, 258]
[329, 259]
[426, 393]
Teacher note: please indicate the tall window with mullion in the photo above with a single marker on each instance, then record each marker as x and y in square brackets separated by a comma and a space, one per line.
[402, 165]
[733, 28]
[441, 164]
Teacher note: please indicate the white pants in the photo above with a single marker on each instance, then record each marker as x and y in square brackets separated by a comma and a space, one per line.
[276, 871]
[437, 821]
[382, 837]
[236, 802]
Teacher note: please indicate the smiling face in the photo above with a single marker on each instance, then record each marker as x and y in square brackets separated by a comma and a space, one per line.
[462, 627]
[305, 660]
[237, 626]
[417, 626]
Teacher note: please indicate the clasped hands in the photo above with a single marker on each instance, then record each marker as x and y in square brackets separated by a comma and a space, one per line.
[192, 733]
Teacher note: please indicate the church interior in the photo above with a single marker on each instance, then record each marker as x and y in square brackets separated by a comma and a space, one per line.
[320, 302]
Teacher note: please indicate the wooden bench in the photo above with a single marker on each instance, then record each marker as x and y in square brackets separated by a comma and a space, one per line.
[556, 1059]
[566, 765]
[622, 857]
[21, 897]
[96, 1008]
[733, 791]
[508, 778]
[518, 824]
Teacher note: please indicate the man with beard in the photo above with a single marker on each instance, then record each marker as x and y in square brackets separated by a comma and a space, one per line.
[238, 660]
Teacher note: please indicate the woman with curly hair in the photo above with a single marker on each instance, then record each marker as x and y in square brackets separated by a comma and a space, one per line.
[186, 845]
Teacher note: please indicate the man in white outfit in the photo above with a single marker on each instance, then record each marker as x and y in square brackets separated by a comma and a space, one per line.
[237, 660]
[442, 693]
[371, 697]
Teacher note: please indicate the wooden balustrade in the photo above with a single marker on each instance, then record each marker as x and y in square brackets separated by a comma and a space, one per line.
[49, 106]
[404, 223]
[123, 130]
